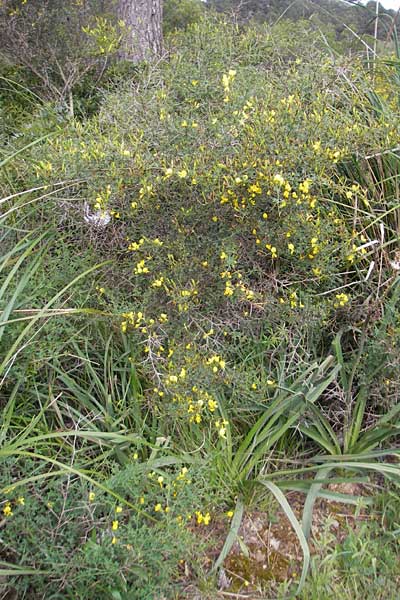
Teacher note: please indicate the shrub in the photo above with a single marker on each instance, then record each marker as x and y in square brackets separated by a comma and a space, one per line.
[218, 172]
[110, 550]
[178, 14]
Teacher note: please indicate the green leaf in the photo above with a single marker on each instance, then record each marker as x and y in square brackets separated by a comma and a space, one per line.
[231, 537]
[274, 489]
[312, 495]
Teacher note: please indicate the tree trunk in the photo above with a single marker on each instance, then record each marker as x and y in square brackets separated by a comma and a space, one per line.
[143, 19]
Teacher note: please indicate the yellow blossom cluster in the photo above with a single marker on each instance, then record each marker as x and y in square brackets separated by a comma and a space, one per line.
[202, 519]
[227, 80]
[137, 320]
[8, 506]
[196, 404]
[341, 300]
[216, 362]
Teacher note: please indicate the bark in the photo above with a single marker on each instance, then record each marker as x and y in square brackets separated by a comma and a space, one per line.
[143, 19]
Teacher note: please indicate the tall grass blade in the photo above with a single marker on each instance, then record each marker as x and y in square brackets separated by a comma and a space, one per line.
[280, 497]
[231, 537]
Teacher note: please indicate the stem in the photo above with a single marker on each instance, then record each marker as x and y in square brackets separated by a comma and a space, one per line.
[376, 32]
[71, 104]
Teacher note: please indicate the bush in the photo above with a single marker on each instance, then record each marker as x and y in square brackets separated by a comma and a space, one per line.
[178, 14]
[110, 550]
[219, 172]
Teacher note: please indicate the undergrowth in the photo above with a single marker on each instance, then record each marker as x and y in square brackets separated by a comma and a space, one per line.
[199, 295]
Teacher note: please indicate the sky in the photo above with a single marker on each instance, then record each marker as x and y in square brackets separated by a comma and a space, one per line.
[395, 4]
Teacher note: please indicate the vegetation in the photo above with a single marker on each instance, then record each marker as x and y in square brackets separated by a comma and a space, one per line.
[341, 17]
[199, 320]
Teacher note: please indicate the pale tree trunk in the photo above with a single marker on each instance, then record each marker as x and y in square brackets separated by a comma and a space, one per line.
[143, 19]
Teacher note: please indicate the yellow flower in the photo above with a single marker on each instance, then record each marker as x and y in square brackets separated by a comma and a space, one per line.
[158, 282]
[115, 525]
[228, 289]
[92, 496]
[255, 188]
[212, 405]
[272, 249]
[341, 300]
[21, 500]
[114, 540]
[141, 268]
[200, 518]
[279, 179]
[221, 426]
[157, 508]
[304, 186]
[118, 509]
[7, 510]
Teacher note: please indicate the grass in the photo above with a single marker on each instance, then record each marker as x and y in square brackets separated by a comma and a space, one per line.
[223, 341]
